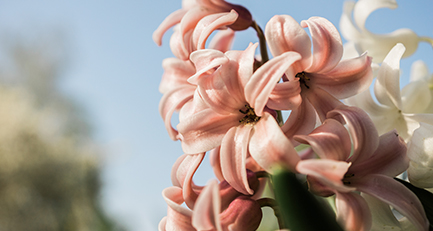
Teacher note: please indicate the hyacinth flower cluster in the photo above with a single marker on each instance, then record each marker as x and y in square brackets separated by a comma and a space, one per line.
[371, 159]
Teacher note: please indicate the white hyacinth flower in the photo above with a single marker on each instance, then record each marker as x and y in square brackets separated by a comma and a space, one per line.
[360, 39]
[393, 108]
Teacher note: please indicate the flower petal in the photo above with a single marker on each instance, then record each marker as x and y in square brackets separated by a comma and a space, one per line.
[348, 78]
[264, 79]
[327, 45]
[206, 214]
[173, 101]
[222, 40]
[205, 130]
[353, 212]
[285, 96]
[383, 218]
[322, 101]
[328, 172]
[415, 97]
[301, 121]
[270, 147]
[389, 158]
[364, 8]
[171, 20]
[365, 101]
[330, 140]
[178, 217]
[209, 24]
[395, 194]
[387, 86]
[419, 71]
[234, 148]
[176, 73]
[365, 138]
[284, 34]
[420, 152]
[206, 61]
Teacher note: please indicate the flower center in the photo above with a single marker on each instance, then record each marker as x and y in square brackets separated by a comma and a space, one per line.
[303, 79]
[346, 179]
[250, 116]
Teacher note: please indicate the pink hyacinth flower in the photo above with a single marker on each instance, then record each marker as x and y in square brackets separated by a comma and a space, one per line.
[174, 85]
[320, 69]
[229, 109]
[369, 169]
[192, 12]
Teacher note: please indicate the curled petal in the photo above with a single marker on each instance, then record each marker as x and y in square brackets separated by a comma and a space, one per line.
[222, 40]
[383, 218]
[179, 48]
[206, 214]
[205, 130]
[348, 29]
[364, 8]
[176, 73]
[353, 212]
[365, 138]
[330, 140]
[173, 101]
[265, 78]
[173, 19]
[395, 194]
[389, 158]
[301, 121]
[178, 217]
[327, 45]
[234, 148]
[210, 23]
[348, 78]
[284, 34]
[387, 86]
[419, 71]
[206, 61]
[270, 147]
[214, 158]
[327, 172]
[285, 96]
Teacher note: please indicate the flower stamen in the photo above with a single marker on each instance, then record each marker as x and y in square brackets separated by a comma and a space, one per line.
[250, 116]
[303, 79]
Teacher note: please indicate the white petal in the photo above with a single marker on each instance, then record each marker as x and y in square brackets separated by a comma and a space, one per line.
[415, 97]
[420, 152]
[419, 71]
[387, 85]
[363, 8]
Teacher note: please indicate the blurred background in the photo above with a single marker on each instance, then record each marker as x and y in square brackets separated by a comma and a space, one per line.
[82, 145]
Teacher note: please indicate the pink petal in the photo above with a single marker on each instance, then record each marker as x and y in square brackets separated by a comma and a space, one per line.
[269, 147]
[330, 140]
[205, 130]
[191, 18]
[365, 138]
[245, 60]
[185, 173]
[205, 62]
[209, 24]
[178, 217]
[348, 78]
[353, 212]
[234, 148]
[222, 40]
[206, 214]
[215, 162]
[301, 121]
[171, 20]
[265, 78]
[173, 101]
[243, 214]
[285, 96]
[327, 45]
[395, 194]
[284, 34]
[176, 73]
[328, 172]
[179, 48]
[322, 101]
[389, 159]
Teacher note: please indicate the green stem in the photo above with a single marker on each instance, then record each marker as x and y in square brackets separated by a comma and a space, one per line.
[262, 41]
[300, 210]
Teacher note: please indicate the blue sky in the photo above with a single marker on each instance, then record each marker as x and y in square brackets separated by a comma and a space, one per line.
[115, 69]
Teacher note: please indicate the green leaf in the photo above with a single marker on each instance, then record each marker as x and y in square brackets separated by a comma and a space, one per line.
[300, 210]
